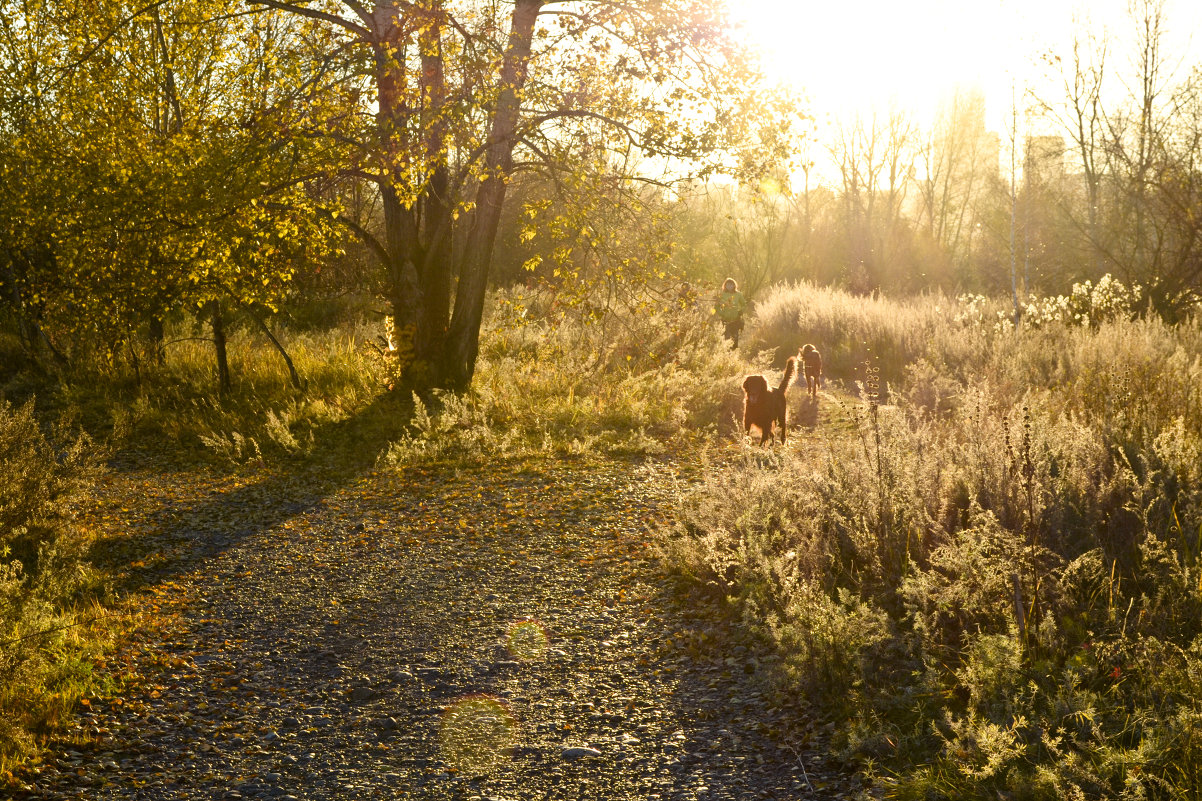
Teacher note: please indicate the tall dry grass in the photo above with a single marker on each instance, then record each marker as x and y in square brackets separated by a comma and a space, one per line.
[557, 380]
[174, 407]
[850, 330]
[996, 581]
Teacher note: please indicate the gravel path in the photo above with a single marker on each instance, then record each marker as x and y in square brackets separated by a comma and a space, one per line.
[496, 633]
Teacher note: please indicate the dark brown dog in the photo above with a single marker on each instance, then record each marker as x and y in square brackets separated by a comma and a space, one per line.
[811, 360]
[763, 407]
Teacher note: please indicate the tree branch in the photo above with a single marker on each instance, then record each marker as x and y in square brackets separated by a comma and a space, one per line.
[631, 134]
[312, 13]
[293, 376]
[360, 11]
[104, 39]
[366, 238]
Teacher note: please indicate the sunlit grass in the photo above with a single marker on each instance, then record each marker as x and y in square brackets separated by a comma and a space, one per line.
[628, 385]
[995, 580]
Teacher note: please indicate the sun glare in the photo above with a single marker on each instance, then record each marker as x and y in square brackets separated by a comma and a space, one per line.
[858, 55]
[854, 56]
[840, 62]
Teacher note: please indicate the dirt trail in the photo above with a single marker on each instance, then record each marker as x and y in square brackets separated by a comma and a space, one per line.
[501, 632]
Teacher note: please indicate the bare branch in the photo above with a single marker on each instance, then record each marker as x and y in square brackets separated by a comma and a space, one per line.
[313, 13]
[366, 238]
[104, 39]
[626, 129]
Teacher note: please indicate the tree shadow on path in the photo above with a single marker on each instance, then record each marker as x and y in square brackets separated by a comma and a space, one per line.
[202, 526]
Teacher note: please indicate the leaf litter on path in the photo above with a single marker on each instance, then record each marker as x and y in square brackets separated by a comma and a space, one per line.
[500, 631]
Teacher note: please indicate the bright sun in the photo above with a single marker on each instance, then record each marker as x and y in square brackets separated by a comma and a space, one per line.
[859, 55]
[856, 54]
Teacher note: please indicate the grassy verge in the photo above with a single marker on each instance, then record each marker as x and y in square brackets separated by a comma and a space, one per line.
[995, 583]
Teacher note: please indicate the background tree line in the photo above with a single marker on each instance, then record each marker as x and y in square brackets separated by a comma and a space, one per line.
[1095, 172]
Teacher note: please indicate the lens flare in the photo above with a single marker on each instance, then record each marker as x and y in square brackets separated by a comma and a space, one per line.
[478, 735]
[527, 641]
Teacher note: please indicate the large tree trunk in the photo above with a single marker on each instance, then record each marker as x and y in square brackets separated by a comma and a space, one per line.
[436, 274]
[463, 338]
[435, 271]
[416, 246]
[404, 292]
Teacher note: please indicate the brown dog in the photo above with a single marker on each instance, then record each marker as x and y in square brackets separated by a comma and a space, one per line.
[811, 359]
[763, 407]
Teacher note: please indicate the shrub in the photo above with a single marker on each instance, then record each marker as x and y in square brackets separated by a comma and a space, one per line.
[39, 479]
[41, 572]
[1087, 304]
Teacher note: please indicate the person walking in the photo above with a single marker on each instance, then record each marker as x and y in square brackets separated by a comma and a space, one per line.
[729, 308]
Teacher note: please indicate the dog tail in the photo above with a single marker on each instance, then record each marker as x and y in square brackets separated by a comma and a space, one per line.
[788, 377]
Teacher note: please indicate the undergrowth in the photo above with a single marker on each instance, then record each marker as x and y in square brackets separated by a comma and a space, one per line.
[51, 624]
[995, 583]
[548, 380]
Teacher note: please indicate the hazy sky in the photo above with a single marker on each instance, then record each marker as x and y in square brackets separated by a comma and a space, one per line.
[853, 54]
